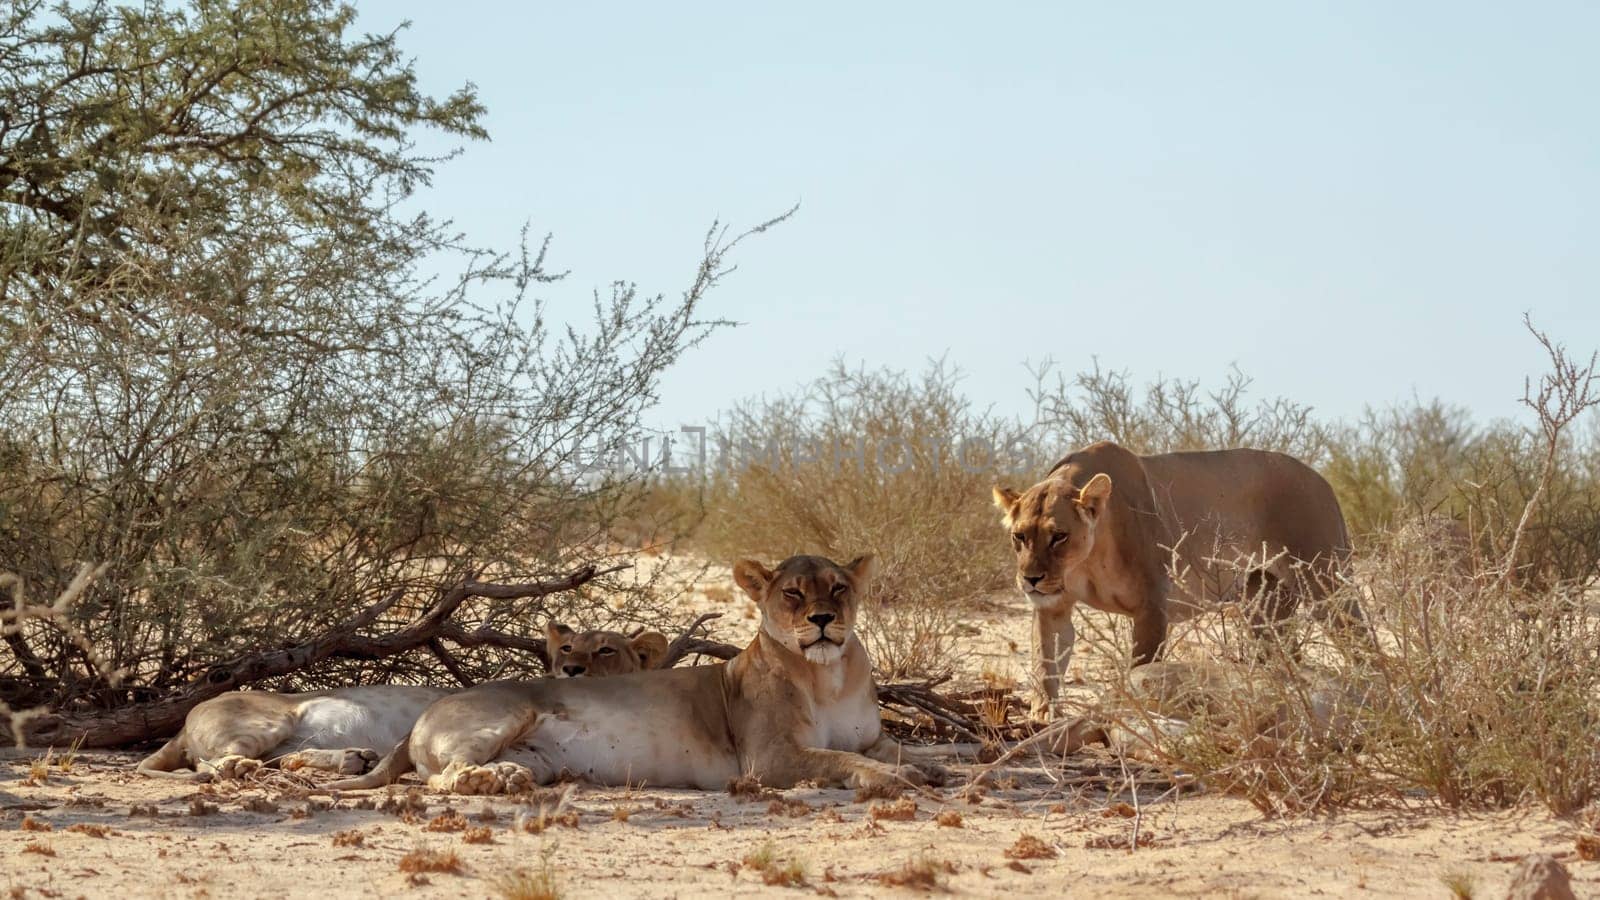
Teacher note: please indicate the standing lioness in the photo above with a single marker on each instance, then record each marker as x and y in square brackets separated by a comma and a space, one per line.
[1106, 527]
[798, 703]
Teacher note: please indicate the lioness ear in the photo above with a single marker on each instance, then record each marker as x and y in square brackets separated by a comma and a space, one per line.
[862, 569]
[753, 577]
[1005, 498]
[651, 647]
[1095, 495]
[554, 633]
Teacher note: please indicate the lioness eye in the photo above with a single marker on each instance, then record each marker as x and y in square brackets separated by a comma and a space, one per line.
[607, 651]
[1057, 538]
[840, 588]
[1018, 537]
[566, 648]
[793, 594]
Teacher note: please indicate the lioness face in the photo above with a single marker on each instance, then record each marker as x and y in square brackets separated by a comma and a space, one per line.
[808, 603]
[1052, 529]
[575, 654]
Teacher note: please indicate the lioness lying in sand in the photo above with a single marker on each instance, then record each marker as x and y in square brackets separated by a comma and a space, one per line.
[343, 730]
[797, 704]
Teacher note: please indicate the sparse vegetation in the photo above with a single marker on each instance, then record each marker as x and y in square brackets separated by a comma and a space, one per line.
[1479, 689]
[1029, 846]
[528, 883]
[834, 469]
[236, 373]
[423, 860]
[1461, 884]
[902, 810]
[773, 868]
[921, 873]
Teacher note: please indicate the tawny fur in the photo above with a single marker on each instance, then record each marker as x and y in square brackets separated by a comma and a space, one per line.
[797, 704]
[346, 730]
[1160, 537]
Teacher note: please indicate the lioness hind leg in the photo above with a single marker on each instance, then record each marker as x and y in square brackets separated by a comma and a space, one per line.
[350, 761]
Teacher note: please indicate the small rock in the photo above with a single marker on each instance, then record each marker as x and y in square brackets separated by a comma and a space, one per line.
[1540, 878]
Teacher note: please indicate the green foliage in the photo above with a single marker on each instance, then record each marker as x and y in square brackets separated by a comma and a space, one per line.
[225, 373]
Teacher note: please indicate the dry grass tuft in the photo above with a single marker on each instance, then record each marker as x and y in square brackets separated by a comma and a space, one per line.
[774, 870]
[91, 829]
[39, 847]
[400, 803]
[479, 834]
[902, 810]
[948, 818]
[1029, 846]
[29, 823]
[1461, 884]
[39, 769]
[923, 873]
[549, 809]
[449, 820]
[350, 837]
[792, 807]
[528, 884]
[199, 806]
[424, 859]
[749, 789]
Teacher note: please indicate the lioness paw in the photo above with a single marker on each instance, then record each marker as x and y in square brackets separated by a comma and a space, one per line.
[500, 778]
[358, 761]
[234, 766]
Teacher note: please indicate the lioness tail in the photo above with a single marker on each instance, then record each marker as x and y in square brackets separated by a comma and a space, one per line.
[171, 756]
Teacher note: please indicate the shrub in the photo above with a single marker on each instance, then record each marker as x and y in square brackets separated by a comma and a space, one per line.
[871, 461]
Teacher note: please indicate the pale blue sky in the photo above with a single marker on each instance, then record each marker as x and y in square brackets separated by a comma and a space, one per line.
[1354, 202]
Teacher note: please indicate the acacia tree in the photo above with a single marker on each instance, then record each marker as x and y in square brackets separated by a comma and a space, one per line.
[224, 379]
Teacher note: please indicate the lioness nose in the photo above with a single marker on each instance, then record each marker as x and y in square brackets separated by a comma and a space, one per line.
[1033, 580]
[573, 671]
[820, 620]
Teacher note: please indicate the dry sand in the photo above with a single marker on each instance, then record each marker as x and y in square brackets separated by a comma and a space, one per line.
[272, 838]
[171, 839]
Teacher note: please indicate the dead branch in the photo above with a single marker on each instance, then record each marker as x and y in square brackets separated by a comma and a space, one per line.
[687, 644]
[1566, 392]
[921, 697]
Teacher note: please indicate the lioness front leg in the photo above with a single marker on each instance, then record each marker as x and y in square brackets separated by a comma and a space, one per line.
[1053, 637]
[784, 767]
[888, 750]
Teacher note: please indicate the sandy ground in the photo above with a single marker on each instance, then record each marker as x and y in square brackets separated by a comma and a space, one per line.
[100, 831]
[171, 839]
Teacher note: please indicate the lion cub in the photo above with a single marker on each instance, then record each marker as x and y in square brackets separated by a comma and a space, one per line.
[337, 730]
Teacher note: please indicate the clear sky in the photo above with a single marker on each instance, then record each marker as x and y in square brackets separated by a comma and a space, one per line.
[1353, 202]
